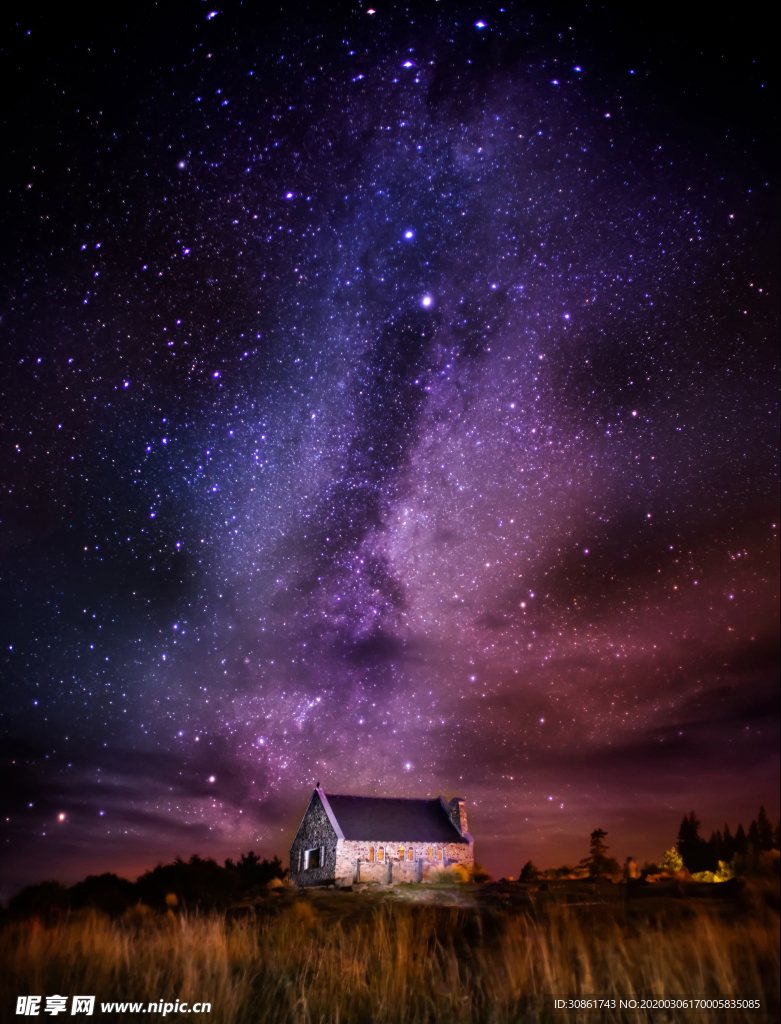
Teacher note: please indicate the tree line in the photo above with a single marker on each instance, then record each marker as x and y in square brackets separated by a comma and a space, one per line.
[741, 851]
[199, 882]
[699, 854]
[596, 865]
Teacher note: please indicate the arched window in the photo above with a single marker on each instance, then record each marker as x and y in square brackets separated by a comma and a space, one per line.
[410, 854]
[401, 853]
[431, 853]
[371, 853]
[439, 854]
[381, 853]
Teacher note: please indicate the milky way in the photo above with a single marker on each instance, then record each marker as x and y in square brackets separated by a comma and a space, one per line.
[389, 401]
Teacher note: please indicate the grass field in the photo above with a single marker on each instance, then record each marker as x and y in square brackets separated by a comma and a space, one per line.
[333, 957]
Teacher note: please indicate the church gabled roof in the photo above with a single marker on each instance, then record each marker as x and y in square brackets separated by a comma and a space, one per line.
[390, 819]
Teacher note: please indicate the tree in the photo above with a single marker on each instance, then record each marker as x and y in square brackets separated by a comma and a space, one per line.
[254, 871]
[198, 881]
[715, 851]
[728, 844]
[528, 873]
[753, 837]
[597, 862]
[692, 848]
[672, 861]
[43, 898]
[741, 843]
[106, 892]
[765, 830]
[598, 848]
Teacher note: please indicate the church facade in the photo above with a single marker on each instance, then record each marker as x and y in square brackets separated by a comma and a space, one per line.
[350, 839]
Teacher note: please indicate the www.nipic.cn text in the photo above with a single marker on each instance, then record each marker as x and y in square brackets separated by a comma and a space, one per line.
[35, 1006]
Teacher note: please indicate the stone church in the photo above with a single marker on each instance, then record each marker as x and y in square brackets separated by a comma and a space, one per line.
[378, 839]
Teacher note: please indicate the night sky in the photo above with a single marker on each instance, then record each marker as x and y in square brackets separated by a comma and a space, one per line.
[389, 399]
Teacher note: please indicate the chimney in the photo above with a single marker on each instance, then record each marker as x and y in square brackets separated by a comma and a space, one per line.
[457, 809]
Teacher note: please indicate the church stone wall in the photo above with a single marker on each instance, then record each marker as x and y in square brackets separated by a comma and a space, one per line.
[315, 832]
[352, 860]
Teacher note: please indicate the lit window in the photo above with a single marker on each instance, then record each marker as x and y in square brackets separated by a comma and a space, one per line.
[381, 853]
[371, 853]
[439, 855]
[410, 854]
[401, 853]
[431, 853]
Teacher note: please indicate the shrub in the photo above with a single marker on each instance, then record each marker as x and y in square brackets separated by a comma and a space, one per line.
[460, 873]
[672, 861]
[480, 875]
[39, 900]
[106, 892]
[529, 872]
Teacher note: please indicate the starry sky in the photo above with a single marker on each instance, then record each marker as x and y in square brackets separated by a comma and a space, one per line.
[389, 399]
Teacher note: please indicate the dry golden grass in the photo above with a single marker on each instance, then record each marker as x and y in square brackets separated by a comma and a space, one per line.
[322, 957]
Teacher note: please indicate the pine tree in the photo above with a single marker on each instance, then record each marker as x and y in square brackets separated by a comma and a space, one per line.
[728, 844]
[692, 848]
[687, 833]
[741, 843]
[753, 837]
[597, 862]
[765, 830]
[715, 851]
